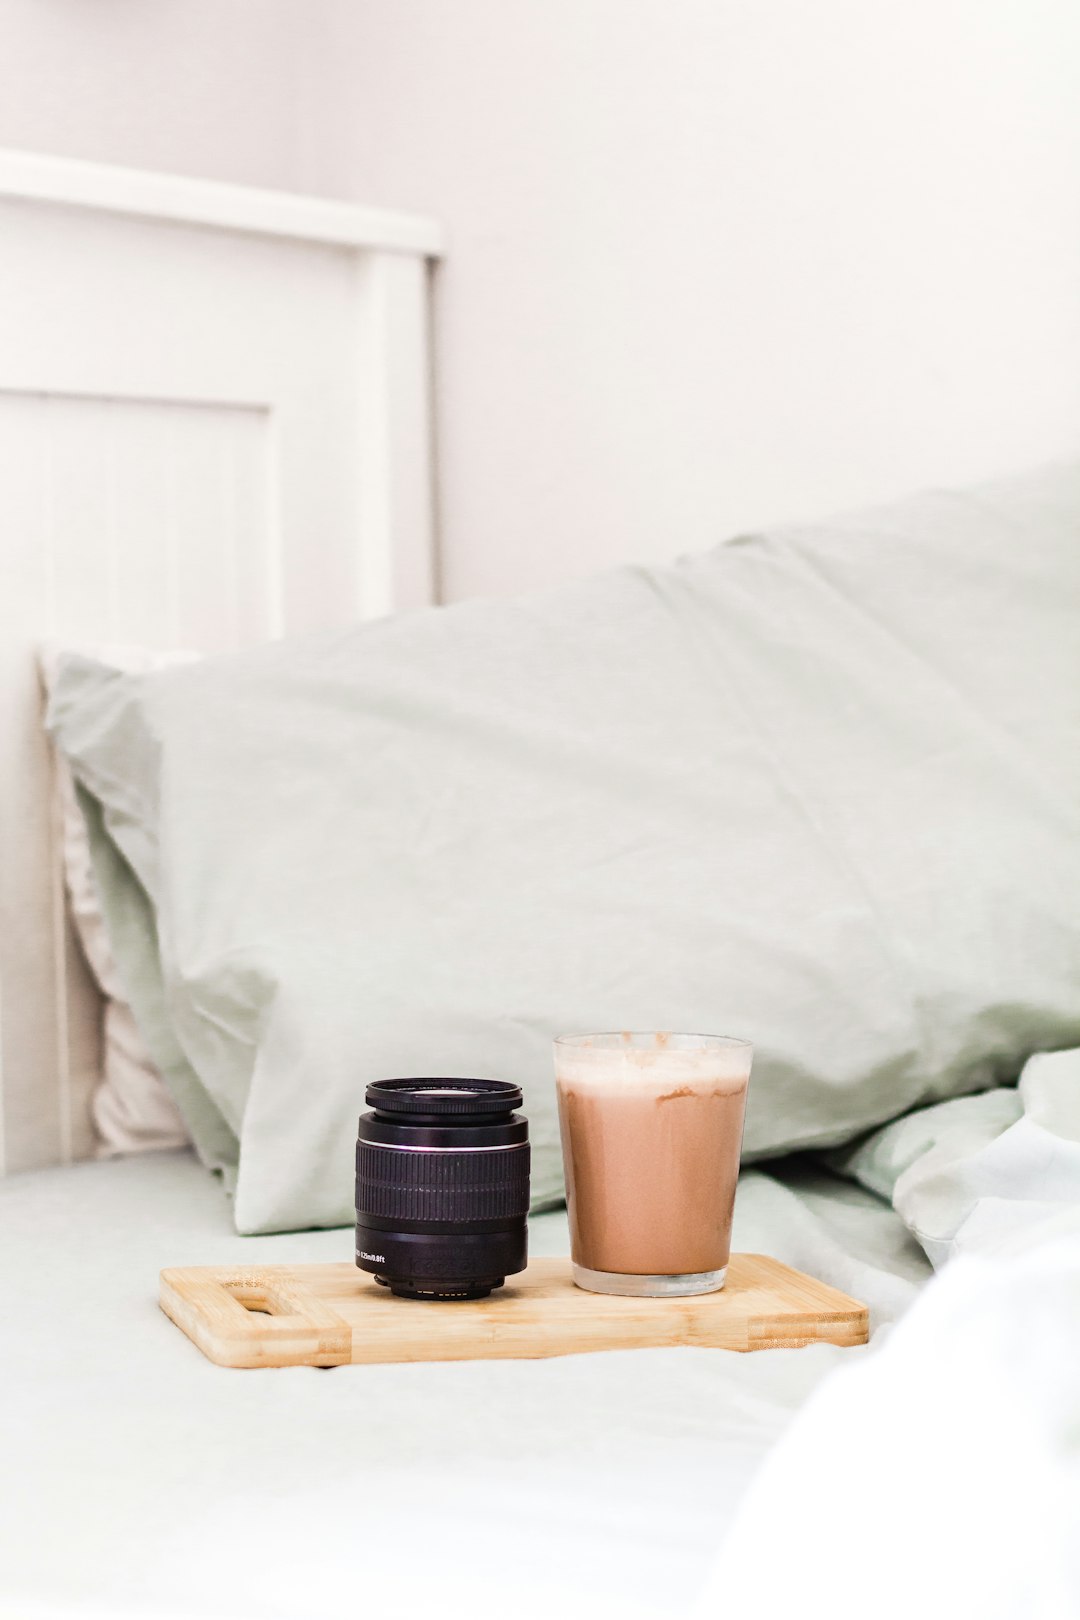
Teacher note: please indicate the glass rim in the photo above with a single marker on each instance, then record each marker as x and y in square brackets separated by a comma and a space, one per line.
[661, 1040]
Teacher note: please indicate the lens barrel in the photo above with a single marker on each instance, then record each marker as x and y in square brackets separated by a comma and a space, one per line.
[442, 1186]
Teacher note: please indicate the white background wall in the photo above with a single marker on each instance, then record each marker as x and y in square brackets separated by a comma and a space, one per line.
[217, 88]
[712, 262]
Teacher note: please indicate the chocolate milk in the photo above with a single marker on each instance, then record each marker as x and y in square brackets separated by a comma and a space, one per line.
[651, 1148]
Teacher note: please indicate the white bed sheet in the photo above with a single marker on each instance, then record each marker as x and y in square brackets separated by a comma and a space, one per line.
[140, 1479]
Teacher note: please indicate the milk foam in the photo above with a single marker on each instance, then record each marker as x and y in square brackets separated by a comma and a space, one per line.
[652, 1071]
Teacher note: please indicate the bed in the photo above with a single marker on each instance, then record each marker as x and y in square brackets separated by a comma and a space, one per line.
[226, 436]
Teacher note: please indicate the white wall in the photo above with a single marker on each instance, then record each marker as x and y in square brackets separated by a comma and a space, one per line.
[718, 261]
[712, 261]
[209, 87]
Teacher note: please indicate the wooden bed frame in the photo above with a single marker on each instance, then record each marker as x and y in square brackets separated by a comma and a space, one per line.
[215, 428]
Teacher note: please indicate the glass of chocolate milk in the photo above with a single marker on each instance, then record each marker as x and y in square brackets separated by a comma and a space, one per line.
[651, 1135]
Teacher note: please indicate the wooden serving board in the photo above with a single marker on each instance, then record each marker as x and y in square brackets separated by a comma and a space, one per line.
[330, 1315]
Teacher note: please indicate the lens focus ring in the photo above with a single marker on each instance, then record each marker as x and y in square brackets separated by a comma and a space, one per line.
[426, 1184]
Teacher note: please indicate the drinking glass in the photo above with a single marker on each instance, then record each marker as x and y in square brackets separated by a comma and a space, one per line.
[651, 1127]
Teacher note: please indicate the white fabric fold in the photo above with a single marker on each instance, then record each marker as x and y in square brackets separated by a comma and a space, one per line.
[957, 1440]
[983, 1174]
[941, 1474]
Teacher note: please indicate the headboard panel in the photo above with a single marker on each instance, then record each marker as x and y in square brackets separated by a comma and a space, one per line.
[215, 427]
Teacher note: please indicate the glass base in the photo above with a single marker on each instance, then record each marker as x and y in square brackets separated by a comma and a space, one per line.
[646, 1287]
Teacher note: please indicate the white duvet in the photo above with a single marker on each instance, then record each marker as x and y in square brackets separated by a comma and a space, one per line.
[941, 1475]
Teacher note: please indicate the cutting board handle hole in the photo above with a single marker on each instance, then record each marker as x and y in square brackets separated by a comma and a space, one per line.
[252, 1298]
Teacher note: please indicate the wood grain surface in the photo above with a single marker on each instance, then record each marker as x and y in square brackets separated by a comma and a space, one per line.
[331, 1315]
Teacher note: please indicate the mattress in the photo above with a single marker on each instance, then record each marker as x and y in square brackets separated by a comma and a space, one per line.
[139, 1479]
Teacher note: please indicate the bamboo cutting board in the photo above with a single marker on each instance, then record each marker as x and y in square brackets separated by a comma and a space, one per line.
[330, 1315]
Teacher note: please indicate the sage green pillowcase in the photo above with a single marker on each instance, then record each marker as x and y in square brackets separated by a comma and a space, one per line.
[818, 788]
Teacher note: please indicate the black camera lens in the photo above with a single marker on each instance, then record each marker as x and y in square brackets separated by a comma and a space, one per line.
[442, 1186]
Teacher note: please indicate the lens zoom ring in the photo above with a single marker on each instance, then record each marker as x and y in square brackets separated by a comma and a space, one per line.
[411, 1185]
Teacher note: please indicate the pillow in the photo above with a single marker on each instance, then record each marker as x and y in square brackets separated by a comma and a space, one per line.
[817, 787]
[131, 1108]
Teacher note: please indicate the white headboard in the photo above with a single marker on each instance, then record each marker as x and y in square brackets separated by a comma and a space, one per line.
[215, 427]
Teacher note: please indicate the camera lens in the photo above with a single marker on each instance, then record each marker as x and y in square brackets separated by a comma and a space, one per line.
[442, 1186]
